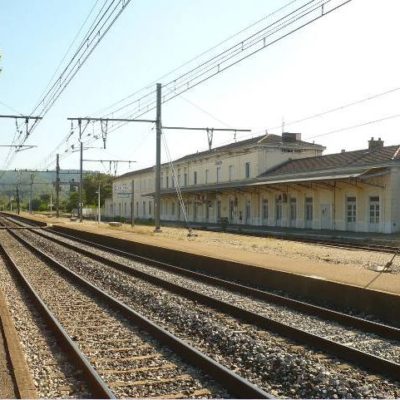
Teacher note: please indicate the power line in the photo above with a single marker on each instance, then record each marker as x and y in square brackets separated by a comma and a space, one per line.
[280, 28]
[339, 108]
[161, 78]
[347, 128]
[67, 51]
[108, 14]
[96, 33]
[10, 108]
[295, 20]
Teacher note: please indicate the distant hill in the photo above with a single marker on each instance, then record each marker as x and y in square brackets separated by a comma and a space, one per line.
[43, 182]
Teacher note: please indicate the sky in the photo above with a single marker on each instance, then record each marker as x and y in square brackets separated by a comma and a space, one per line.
[348, 55]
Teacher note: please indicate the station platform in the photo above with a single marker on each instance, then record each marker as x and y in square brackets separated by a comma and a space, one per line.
[384, 239]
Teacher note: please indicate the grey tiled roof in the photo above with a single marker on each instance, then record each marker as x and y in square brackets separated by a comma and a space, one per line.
[346, 159]
[263, 139]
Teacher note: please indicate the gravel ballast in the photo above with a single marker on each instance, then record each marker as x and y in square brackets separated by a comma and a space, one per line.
[275, 364]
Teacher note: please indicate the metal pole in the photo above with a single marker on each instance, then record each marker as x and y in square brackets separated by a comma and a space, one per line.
[158, 162]
[18, 205]
[133, 203]
[58, 186]
[80, 207]
[31, 195]
[98, 205]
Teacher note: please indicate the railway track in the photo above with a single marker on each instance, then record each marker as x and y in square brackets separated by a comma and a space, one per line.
[329, 242]
[120, 359]
[350, 340]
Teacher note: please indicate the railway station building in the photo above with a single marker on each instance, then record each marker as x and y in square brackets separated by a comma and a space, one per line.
[271, 181]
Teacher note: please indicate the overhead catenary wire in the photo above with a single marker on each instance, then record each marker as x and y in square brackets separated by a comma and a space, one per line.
[87, 46]
[162, 77]
[232, 56]
[67, 52]
[347, 128]
[280, 28]
[106, 17]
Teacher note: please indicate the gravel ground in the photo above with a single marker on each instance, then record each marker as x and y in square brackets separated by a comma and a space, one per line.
[52, 373]
[130, 362]
[370, 343]
[275, 364]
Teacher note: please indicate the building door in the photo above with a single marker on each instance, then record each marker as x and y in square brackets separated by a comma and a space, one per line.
[351, 213]
[218, 210]
[247, 213]
[326, 220]
[231, 208]
[194, 211]
[264, 212]
[374, 214]
[278, 211]
[293, 211]
[308, 212]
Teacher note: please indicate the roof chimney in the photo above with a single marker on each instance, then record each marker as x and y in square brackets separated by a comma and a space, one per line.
[375, 144]
[290, 137]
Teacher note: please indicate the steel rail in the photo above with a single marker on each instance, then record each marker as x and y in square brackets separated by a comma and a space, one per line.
[337, 243]
[235, 384]
[96, 383]
[359, 358]
[380, 329]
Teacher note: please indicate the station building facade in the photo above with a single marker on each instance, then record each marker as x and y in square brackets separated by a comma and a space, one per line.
[271, 181]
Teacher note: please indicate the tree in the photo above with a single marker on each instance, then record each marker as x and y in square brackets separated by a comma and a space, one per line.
[35, 204]
[91, 184]
[72, 202]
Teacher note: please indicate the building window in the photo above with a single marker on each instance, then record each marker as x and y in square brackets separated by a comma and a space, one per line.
[351, 209]
[309, 209]
[185, 179]
[219, 174]
[195, 178]
[144, 208]
[374, 211]
[125, 209]
[137, 208]
[206, 176]
[149, 207]
[247, 170]
[265, 209]
[167, 182]
[173, 208]
[231, 172]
